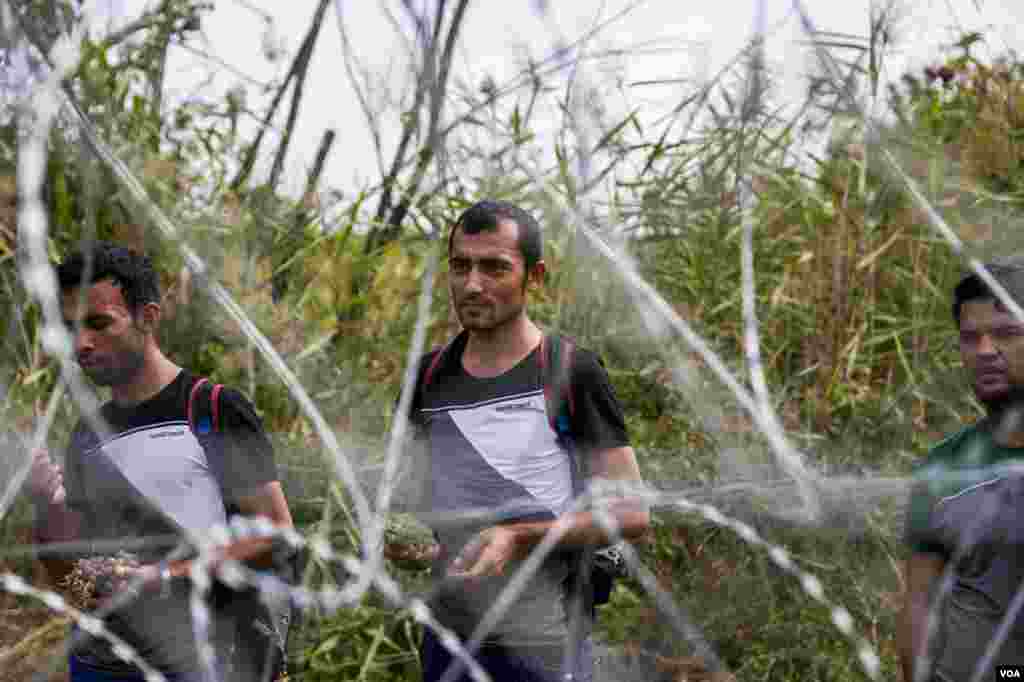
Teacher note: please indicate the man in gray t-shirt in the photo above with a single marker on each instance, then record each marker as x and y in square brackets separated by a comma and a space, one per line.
[155, 471]
[491, 450]
[966, 513]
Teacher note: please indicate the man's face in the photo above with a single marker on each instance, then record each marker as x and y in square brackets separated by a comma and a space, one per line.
[992, 349]
[487, 276]
[109, 345]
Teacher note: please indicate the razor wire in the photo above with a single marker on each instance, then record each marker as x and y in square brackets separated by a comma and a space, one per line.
[369, 571]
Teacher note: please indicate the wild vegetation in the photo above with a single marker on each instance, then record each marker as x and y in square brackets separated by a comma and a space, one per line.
[851, 281]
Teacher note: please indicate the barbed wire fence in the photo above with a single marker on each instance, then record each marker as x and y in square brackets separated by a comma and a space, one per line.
[369, 571]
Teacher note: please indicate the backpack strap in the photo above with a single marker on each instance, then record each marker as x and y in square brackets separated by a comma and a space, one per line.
[435, 359]
[204, 415]
[587, 586]
[557, 354]
[190, 410]
[556, 358]
[204, 421]
[215, 400]
[252, 626]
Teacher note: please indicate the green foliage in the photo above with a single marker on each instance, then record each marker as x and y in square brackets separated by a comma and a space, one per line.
[756, 616]
[852, 292]
[366, 643]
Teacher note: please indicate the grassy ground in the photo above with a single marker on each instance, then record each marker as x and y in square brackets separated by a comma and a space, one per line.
[29, 634]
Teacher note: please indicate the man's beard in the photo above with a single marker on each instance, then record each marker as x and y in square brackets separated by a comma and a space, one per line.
[492, 321]
[127, 367]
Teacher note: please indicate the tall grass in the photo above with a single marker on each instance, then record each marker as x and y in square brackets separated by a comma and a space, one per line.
[852, 290]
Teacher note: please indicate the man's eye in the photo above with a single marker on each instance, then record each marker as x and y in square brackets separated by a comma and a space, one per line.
[459, 266]
[494, 267]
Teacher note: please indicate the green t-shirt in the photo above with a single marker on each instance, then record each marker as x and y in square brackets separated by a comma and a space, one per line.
[967, 506]
[963, 465]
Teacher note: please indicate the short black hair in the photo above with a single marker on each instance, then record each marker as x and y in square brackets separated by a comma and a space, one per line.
[99, 260]
[1008, 271]
[484, 216]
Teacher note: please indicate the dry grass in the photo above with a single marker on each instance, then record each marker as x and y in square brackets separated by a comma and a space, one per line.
[29, 637]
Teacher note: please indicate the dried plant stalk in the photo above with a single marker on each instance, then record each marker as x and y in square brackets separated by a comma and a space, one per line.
[94, 579]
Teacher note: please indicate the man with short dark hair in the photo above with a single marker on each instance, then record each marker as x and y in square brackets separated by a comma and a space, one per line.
[966, 517]
[499, 468]
[158, 472]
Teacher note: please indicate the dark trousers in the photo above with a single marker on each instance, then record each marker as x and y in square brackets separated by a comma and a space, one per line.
[252, 637]
[504, 663]
[81, 672]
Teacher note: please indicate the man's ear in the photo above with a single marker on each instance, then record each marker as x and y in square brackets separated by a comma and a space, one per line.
[149, 317]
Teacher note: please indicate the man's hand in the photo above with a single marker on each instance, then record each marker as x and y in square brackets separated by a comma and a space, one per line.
[54, 521]
[488, 554]
[45, 479]
[94, 581]
[492, 550]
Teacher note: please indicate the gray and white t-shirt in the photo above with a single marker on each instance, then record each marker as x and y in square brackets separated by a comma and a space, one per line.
[153, 478]
[492, 451]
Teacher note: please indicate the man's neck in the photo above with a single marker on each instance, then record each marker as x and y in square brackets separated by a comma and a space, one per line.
[155, 374]
[495, 351]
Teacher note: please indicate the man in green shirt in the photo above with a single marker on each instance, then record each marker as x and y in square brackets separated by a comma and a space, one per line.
[965, 525]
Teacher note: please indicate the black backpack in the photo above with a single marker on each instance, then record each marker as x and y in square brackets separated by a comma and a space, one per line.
[258, 645]
[594, 571]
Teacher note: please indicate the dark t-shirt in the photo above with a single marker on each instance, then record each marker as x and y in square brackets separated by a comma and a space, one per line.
[967, 506]
[493, 452]
[150, 478]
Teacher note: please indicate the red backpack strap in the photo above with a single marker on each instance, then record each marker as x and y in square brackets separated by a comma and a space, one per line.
[438, 357]
[214, 404]
[431, 370]
[190, 410]
[215, 400]
[565, 372]
[426, 375]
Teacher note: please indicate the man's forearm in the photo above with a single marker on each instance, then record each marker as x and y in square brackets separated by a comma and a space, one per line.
[582, 529]
[912, 635]
[55, 522]
[905, 637]
[490, 552]
[923, 573]
[254, 552]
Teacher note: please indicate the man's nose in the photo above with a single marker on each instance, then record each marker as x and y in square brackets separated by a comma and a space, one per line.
[986, 346]
[83, 340]
[473, 280]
